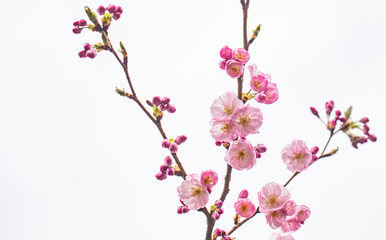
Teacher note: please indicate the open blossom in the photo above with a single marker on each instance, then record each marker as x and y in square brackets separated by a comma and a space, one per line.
[226, 53]
[240, 55]
[291, 225]
[244, 207]
[273, 197]
[296, 155]
[192, 193]
[281, 236]
[234, 68]
[247, 120]
[225, 105]
[302, 213]
[241, 155]
[259, 80]
[276, 219]
[209, 178]
[223, 130]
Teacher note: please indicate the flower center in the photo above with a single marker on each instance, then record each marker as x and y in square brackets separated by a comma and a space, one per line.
[208, 180]
[195, 191]
[228, 110]
[298, 156]
[242, 155]
[244, 208]
[234, 69]
[226, 127]
[275, 214]
[257, 84]
[240, 56]
[244, 120]
[272, 200]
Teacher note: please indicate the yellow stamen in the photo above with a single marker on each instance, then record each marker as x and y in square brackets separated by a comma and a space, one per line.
[226, 127]
[242, 155]
[195, 191]
[244, 121]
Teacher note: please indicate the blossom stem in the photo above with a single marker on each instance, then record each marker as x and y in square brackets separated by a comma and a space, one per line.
[139, 103]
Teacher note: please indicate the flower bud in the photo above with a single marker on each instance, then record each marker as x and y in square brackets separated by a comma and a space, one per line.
[111, 8]
[168, 161]
[315, 150]
[165, 100]
[179, 209]
[185, 209]
[366, 129]
[222, 64]
[314, 111]
[181, 139]
[82, 22]
[170, 171]
[163, 168]
[218, 203]
[77, 30]
[364, 120]
[156, 101]
[261, 148]
[87, 46]
[220, 211]
[119, 10]
[218, 143]
[116, 16]
[82, 54]
[91, 53]
[171, 109]
[372, 137]
[101, 10]
[219, 233]
[216, 215]
[338, 113]
[162, 107]
[243, 194]
[226, 53]
[165, 143]
[173, 147]
[161, 176]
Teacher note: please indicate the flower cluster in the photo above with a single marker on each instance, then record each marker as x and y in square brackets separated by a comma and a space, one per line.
[79, 26]
[234, 61]
[88, 51]
[115, 11]
[166, 169]
[216, 209]
[172, 144]
[279, 210]
[347, 124]
[194, 191]
[160, 105]
[265, 90]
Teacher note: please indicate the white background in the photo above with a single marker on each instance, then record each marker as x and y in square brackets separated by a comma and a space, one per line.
[77, 161]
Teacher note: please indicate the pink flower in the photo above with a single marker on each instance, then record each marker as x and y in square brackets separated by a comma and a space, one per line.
[290, 208]
[276, 219]
[271, 92]
[222, 64]
[234, 69]
[259, 80]
[247, 120]
[193, 193]
[223, 130]
[297, 156]
[240, 55]
[281, 236]
[241, 155]
[225, 105]
[302, 213]
[226, 53]
[209, 178]
[291, 225]
[273, 197]
[244, 207]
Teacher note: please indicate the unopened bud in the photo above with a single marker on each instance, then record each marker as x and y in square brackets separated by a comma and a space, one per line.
[181, 139]
[314, 111]
[173, 147]
[161, 176]
[243, 194]
[168, 161]
[364, 120]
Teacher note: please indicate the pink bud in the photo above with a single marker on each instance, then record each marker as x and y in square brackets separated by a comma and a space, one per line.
[314, 158]
[329, 107]
[261, 148]
[338, 113]
[119, 10]
[243, 194]
[343, 119]
[117, 15]
[220, 211]
[111, 8]
[76, 24]
[372, 137]
[91, 53]
[364, 120]
[170, 171]
[218, 203]
[222, 64]
[226, 53]
[82, 54]
[87, 46]
[162, 107]
[363, 140]
[77, 30]
[173, 147]
[258, 155]
[163, 168]
[165, 143]
[168, 161]
[171, 109]
[179, 209]
[165, 100]
[216, 215]
[261, 97]
[241, 55]
[315, 150]
[101, 10]
[333, 123]
[185, 209]
[209, 190]
[82, 22]
[209, 178]
[314, 111]
[156, 101]
[161, 176]
[181, 139]
[366, 129]
[218, 143]
[219, 233]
